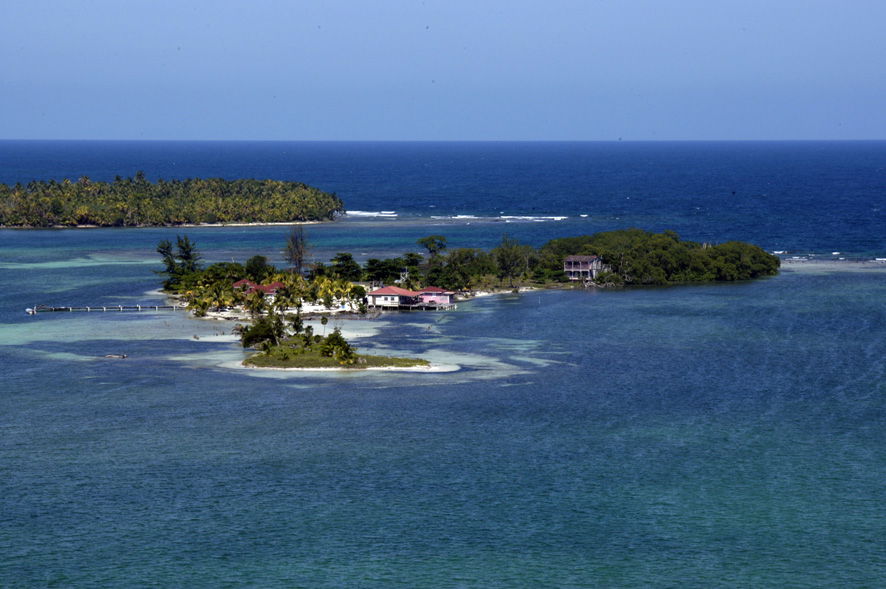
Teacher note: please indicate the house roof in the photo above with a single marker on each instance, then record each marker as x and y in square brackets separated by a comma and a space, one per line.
[394, 290]
[249, 286]
[581, 258]
[269, 288]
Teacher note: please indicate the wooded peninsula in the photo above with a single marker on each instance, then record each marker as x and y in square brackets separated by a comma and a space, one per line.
[275, 298]
[137, 202]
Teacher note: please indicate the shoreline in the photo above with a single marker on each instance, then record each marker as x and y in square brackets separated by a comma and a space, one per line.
[183, 225]
[317, 311]
[437, 368]
[239, 224]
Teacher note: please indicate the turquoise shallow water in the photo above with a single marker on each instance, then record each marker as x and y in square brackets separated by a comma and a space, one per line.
[723, 435]
[707, 436]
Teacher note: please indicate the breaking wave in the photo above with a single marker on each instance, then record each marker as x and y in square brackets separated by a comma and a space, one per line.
[371, 213]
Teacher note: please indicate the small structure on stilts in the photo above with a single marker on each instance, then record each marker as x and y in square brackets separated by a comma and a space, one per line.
[394, 298]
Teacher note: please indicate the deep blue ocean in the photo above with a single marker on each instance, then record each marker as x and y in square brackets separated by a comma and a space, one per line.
[727, 435]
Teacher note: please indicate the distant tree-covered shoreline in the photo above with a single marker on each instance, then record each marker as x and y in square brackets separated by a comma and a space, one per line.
[630, 257]
[135, 202]
[637, 257]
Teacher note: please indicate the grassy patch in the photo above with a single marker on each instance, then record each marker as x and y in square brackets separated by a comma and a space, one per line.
[387, 361]
[287, 357]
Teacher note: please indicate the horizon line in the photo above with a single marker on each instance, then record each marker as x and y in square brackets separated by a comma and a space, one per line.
[618, 140]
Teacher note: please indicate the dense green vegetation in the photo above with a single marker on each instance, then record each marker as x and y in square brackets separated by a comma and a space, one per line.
[633, 257]
[212, 288]
[297, 346]
[276, 326]
[507, 265]
[132, 202]
[639, 257]
[323, 353]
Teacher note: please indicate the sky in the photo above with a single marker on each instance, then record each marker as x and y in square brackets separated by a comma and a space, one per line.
[443, 69]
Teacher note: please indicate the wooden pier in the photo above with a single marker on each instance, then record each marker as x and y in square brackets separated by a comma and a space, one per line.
[104, 309]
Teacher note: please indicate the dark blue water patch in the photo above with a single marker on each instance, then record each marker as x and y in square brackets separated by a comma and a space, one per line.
[800, 196]
[719, 435]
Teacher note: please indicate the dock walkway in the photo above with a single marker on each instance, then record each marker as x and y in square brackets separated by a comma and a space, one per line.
[104, 308]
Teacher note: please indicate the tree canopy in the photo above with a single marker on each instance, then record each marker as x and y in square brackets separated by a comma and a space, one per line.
[132, 202]
[179, 262]
[433, 243]
[631, 257]
[640, 257]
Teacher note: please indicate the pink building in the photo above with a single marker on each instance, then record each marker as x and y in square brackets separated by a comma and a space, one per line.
[436, 295]
[431, 298]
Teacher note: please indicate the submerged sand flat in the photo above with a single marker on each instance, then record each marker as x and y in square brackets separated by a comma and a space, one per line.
[81, 262]
[811, 265]
[431, 368]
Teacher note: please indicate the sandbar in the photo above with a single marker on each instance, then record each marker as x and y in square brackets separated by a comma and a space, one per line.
[431, 368]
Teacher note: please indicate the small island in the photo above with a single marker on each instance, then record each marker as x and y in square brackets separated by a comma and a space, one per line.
[137, 202]
[275, 302]
[306, 351]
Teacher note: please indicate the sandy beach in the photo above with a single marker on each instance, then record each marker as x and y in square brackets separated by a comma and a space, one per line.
[268, 224]
[431, 368]
[311, 310]
[183, 225]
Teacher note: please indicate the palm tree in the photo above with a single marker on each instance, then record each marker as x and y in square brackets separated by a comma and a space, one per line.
[199, 303]
[288, 296]
[220, 295]
[326, 290]
[255, 303]
[187, 254]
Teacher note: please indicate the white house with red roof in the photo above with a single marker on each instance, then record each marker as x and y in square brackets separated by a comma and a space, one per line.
[392, 297]
[430, 298]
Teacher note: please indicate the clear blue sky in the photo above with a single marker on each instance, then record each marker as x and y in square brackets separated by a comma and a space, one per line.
[443, 69]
